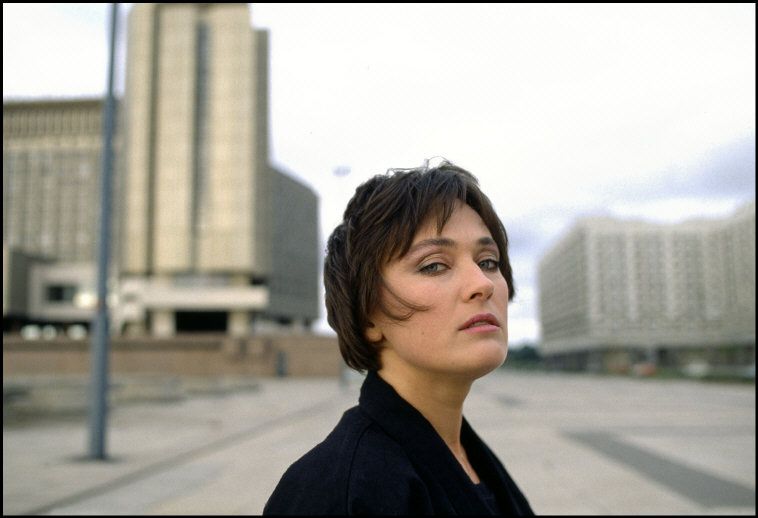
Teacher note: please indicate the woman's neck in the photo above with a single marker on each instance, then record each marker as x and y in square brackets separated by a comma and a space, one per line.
[438, 398]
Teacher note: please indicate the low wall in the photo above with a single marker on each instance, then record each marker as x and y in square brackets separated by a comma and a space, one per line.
[182, 355]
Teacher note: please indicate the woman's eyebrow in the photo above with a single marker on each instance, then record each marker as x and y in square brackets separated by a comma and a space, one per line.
[448, 243]
[435, 241]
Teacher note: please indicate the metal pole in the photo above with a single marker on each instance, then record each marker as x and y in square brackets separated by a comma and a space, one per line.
[100, 325]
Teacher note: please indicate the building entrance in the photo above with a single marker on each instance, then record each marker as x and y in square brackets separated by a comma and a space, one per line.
[201, 321]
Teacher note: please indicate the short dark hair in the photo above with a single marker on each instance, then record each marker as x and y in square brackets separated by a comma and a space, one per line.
[378, 225]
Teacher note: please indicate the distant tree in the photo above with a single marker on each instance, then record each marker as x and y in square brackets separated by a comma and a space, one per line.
[524, 354]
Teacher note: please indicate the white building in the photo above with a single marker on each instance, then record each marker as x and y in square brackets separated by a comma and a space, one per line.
[626, 291]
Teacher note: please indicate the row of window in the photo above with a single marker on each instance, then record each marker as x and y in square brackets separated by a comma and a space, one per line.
[51, 122]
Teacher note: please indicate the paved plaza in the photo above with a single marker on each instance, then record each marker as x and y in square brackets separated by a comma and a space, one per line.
[575, 444]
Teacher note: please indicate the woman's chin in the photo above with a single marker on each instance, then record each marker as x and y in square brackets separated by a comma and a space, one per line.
[486, 359]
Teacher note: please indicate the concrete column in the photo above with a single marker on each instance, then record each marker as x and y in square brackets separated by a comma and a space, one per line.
[239, 323]
[163, 323]
[135, 328]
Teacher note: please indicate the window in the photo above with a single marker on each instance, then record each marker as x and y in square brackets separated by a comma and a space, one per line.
[61, 293]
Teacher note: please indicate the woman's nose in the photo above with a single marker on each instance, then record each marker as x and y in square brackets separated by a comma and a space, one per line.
[478, 283]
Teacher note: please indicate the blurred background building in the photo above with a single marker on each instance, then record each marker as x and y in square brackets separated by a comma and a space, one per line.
[51, 172]
[208, 235]
[616, 293]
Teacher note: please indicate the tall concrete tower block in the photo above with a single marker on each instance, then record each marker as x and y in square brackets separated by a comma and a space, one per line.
[196, 185]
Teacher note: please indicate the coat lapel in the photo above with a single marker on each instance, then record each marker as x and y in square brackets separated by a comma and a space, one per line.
[430, 455]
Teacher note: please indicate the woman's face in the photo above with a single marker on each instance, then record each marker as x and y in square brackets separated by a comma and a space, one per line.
[455, 275]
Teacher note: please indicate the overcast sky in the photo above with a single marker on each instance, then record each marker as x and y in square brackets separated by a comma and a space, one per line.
[560, 110]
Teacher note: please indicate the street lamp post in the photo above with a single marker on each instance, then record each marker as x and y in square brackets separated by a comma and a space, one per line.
[100, 335]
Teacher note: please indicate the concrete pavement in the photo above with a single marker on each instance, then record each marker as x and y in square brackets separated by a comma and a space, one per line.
[576, 444]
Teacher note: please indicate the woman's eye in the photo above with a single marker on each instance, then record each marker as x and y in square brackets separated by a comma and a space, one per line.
[433, 268]
[489, 265]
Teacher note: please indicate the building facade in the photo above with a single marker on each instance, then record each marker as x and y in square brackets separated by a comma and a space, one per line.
[201, 217]
[51, 168]
[51, 174]
[197, 164]
[630, 291]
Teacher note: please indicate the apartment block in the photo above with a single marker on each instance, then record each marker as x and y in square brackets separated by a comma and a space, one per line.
[51, 171]
[613, 285]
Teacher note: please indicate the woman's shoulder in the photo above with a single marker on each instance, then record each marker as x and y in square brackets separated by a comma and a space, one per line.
[358, 466]
[337, 451]
[322, 466]
[383, 480]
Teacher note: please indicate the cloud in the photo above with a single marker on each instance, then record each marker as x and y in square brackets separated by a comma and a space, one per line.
[713, 183]
[724, 172]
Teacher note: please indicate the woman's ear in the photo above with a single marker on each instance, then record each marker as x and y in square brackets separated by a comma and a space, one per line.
[373, 333]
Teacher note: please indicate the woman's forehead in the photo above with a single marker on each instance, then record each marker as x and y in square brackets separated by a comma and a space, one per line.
[464, 222]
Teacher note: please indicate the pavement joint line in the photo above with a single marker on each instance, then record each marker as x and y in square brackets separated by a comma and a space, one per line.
[697, 485]
[180, 458]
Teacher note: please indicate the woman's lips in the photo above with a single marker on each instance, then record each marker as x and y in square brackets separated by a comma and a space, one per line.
[482, 323]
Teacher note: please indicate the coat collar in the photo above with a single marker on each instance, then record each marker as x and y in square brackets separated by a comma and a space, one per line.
[423, 445]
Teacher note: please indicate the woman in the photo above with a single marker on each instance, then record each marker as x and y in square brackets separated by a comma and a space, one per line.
[417, 283]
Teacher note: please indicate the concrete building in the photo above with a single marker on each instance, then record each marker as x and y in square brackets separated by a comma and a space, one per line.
[51, 170]
[51, 173]
[40, 290]
[208, 235]
[613, 293]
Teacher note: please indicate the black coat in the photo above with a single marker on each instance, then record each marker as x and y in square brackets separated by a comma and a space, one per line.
[384, 457]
